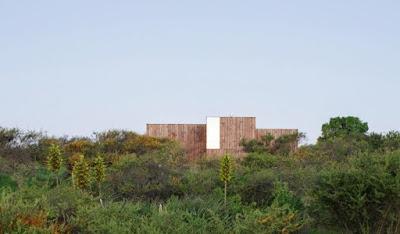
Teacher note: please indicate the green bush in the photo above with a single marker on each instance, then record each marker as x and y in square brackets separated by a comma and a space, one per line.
[127, 142]
[18, 214]
[254, 146]
[349, 182]
[64, 201]
[115, 217]
[340, 148]
[84, 146]
[284, 215]
[186, 215]
[282, 145]
[362, 196]
[257, 188]
[7, 182]
[39, 209]
[258, 161]
[391, 141]
[198, 181]
[41, 176]
[142, 178]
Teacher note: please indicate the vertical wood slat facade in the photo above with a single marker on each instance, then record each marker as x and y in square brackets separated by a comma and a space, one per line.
[232, 130]
[192, 137]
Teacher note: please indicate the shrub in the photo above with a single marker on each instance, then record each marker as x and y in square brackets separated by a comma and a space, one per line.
[342, 147]
[63, 202]
[198, 181]
[284, 197]
[376, 142]
[281, 219]
[142, 178]
[253, 146]
[286, 144]
[141, 144]
[38, 210]
[391, 141]
[111, 141]
[43, 147]
[41, 177]
[7, 182]
[257, 188]
[18, 214]
[259, 161]
[116, 217]
[282, 145]
[170, 153]
[17, 146]
[83, 146]
[126, 142]
[363, 196]
[284, 215]
[186, 215]
[150, 187]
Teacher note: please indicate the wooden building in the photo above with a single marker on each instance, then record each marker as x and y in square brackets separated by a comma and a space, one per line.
[218, 136]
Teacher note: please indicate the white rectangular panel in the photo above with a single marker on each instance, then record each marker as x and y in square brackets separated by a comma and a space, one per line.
[213, 133]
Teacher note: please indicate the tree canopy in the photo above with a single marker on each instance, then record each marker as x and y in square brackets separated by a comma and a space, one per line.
[343, 126]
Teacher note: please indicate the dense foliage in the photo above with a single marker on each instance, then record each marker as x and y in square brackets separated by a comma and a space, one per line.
[282, 145]
[122, 182]
[343, 126]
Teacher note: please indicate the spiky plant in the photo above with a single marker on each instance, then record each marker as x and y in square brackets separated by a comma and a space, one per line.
[80, 173]
[226, 171]
[54, 159]
[99, 171]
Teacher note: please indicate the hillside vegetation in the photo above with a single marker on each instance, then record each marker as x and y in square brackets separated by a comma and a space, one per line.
[121, 182]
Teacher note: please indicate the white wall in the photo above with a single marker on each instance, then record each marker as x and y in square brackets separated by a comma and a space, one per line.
[213, 132]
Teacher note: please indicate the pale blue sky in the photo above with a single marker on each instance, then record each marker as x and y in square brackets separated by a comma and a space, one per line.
[74, 67]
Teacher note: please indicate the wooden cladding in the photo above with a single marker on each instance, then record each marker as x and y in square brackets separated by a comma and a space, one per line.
[192, 137]
[232, 130]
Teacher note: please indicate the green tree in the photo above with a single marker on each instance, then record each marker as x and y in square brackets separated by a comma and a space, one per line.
[54, 159]
[226, 171]
[99, 171]
[80, 173]
[343, 126]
